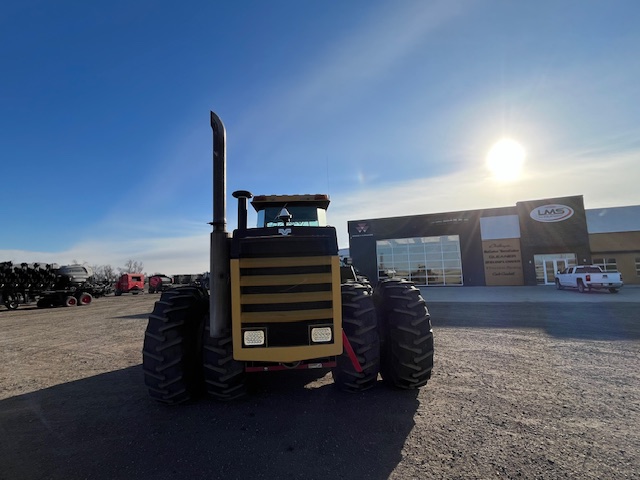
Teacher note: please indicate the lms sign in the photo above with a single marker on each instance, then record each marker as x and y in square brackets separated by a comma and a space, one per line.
[551, 213]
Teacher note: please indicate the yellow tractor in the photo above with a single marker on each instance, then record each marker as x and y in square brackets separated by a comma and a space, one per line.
[281, 299]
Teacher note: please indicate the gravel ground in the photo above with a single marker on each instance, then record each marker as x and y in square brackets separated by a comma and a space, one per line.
[520, 390]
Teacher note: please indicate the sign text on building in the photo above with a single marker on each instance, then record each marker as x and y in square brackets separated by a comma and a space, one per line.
[502, 262]
[551, 213]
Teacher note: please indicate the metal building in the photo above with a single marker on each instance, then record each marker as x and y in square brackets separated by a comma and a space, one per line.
[523, 244]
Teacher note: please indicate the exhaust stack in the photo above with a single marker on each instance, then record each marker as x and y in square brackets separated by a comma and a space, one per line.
[220, 297]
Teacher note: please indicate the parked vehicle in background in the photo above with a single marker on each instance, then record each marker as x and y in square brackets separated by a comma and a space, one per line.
[76, 274]
[73, 286]
[588, 277]
[159, 283]
[194, 279]
[48, 284]
[129, 283]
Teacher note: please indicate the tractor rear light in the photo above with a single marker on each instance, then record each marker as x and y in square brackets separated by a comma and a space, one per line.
[321, 334]
[253, 338]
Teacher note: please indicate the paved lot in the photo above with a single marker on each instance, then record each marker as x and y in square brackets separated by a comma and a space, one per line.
[538, 294]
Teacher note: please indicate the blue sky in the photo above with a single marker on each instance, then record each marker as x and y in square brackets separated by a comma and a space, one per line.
[390, 107]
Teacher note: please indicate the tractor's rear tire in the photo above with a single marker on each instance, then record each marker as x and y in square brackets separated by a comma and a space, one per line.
[70, 301]
[360, 326]
[407, 337]
[171, 358]
[224, 377]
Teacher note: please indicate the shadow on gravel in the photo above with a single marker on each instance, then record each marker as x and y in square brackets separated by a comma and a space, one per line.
[611, 321]
[105, 427]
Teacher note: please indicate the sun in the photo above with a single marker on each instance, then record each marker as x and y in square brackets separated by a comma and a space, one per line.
[506, 159]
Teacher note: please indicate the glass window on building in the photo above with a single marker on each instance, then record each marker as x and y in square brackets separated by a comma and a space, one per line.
[606, 264]
[638, 266]
[423, 260]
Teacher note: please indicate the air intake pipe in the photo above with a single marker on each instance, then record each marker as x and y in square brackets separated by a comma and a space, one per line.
[242, 196]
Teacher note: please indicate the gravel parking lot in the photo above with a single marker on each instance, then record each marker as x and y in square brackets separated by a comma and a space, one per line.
[521, 389]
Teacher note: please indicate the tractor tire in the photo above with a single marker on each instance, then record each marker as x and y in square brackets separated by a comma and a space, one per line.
[85, 299]
[171, 352]
[407, 337]
[360, 326]
[70, 301]
[117, 293]
[224, 377]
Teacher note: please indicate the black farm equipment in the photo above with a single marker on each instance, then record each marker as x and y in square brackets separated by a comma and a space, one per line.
[47, 284]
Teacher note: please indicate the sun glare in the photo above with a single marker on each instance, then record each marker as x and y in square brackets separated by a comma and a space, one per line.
[506, 159]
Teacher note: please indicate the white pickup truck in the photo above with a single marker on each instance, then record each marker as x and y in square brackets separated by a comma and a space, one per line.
[587, 277]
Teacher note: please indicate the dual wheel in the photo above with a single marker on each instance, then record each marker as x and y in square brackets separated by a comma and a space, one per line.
[70, 301]
[389, 333]
[171, 359]
[83, 298]
[406, 334]
[180, 359]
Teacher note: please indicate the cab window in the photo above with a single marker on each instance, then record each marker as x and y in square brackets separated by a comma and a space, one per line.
[301, 216]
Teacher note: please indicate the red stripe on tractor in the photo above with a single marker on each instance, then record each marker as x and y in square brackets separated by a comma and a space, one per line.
[351, 353]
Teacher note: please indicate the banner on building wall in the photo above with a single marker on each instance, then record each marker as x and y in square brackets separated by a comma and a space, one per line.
[502, 262]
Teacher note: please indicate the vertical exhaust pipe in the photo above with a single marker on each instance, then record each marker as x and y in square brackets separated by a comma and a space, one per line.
[219, 173]
[219, 281]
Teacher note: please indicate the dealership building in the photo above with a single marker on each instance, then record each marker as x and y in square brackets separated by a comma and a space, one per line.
[523, 244]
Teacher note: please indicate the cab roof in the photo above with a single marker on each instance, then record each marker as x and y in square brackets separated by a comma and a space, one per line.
[260, 202]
